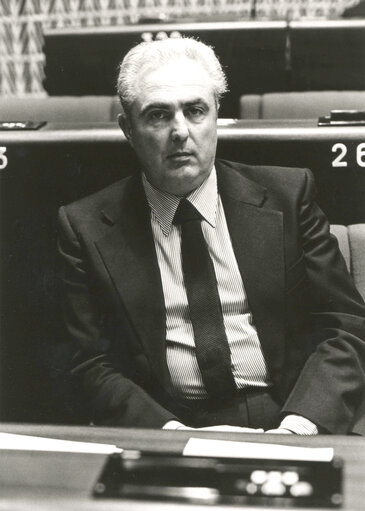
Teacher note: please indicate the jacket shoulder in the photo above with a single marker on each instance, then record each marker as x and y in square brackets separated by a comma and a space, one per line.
[107, 201]
[283, 187]
[96, 200]
[270, 176]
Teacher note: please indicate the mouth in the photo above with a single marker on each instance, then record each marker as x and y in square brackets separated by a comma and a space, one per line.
[180, 155]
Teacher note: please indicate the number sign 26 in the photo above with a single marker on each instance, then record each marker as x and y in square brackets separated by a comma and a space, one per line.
[341, 150]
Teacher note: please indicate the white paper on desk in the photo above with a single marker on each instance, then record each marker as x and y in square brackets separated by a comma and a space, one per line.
[255, 450]
[13, 441]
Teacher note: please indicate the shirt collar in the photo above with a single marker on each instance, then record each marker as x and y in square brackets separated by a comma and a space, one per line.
[164, 205]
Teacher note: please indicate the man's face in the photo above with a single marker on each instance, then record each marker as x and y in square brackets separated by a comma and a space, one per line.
[172, 125]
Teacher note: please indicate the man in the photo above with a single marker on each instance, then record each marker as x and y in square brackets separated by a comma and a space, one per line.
[204, 293]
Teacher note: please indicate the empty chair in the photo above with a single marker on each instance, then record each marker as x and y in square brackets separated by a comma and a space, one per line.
[299, 105]
[59, 108]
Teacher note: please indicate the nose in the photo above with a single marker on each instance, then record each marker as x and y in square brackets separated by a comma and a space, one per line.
[180, 128]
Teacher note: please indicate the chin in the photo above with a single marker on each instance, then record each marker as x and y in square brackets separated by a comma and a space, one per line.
[187, 180]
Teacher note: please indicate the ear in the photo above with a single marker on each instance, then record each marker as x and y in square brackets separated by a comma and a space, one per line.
[125, 126]
[217, 105]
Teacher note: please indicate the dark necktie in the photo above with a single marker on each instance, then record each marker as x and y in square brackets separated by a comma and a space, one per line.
[212, 350]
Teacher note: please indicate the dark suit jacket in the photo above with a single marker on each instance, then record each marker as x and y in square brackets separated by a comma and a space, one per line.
[308, 314]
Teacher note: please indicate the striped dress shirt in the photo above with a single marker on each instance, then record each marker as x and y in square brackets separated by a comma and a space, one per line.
[247, 360]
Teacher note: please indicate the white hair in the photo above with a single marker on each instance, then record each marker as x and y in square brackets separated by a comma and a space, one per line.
[152, 54]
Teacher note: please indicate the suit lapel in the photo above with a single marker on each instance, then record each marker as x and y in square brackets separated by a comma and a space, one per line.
[129, 254]
[257, 238]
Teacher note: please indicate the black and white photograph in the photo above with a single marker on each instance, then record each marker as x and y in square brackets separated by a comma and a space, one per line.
[182, 273]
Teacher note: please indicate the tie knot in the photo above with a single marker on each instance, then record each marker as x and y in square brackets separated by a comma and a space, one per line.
[186, 212]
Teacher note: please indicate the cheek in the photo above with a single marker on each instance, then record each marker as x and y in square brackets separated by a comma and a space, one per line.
[151, 144]
[209, 129]
[208, 138]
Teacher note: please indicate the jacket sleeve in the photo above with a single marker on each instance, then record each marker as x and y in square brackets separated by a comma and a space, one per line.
[331, 386]
[112, 398]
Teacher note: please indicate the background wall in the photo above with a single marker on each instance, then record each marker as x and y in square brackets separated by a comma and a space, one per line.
[22, 23]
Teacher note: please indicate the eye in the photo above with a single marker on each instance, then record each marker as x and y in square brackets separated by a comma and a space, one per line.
[195, 112]
[157, 115]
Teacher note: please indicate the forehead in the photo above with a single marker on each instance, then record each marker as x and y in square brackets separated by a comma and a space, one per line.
[177, 81]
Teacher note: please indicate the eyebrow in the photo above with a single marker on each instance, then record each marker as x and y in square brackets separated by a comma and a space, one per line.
[167, 106]
[152, 106]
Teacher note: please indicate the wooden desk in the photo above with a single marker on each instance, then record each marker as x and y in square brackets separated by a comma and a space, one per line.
[62, 481]
[69, 161]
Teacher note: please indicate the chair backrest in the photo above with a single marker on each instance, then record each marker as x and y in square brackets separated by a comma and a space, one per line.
[351, 240]
[58, 108]
[299, 105]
